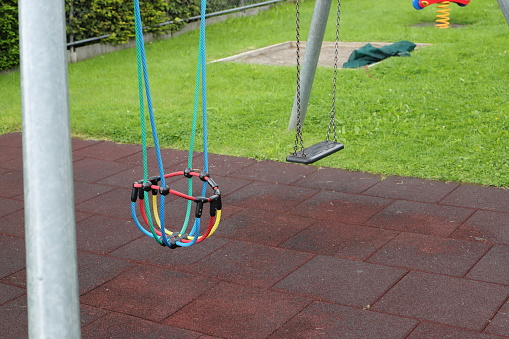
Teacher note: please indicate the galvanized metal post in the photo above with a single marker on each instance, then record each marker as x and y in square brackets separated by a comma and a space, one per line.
[311, 55]
[52, 279]
[504, 6]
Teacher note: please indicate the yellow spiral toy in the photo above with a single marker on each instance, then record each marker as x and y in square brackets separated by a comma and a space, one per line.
[443, 14]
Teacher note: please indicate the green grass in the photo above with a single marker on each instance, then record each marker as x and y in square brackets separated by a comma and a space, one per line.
[441, 113]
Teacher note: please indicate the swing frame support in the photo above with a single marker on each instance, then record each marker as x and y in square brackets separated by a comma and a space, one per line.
[310, 61]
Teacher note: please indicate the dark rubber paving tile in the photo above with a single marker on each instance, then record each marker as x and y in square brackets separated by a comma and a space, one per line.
[147, 251]
[338, 239]
[493, 267]
[148, 292]
[412, 189]
[116, 325]
[12, 250]
[342, 281]
[338, 180]
[11, 139]
[266, 228]
[12, 184]
[230, 311]
[341, 207]
[101, 234]
[500, 323]
[417, 217]
[430, 254]
[95, 270]
[441, 299]
[89, 314]
[10, 153]
[84, 191]
[173, 160]
[485, 226]
[222, 165]
[115, 203]
[250, 264]
[13, 224]
[321, 320]
[8, 292]
[487, 198]
[15, 164]
[426, 330]
[127, 177]
[78, 144]
[86, 169]
[104, 150]
[267, 196]
[273, 171]
[8, 206]
[14, 319]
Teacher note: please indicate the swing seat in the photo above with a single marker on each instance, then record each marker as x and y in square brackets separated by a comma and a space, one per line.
[315, 152]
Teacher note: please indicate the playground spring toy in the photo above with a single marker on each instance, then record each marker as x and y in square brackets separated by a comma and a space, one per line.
[152, 211]
[443, 12]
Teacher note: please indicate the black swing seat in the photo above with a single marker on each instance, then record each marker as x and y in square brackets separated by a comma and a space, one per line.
[315, 152]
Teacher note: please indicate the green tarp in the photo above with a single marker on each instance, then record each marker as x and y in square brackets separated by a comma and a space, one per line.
[368, 54]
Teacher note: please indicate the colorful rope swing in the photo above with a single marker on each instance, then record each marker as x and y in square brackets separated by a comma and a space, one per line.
[152, 211]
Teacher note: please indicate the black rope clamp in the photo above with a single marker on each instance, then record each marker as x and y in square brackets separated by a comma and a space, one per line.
[140, 191]
[204, 174]
[134, 193]
[199, 205]
[154, 181]
[187, 173]
[164, 190]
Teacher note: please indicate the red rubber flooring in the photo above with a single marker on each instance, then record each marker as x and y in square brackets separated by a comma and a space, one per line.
[301, 253]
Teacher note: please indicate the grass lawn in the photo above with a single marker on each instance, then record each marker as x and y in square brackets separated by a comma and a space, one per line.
[441, 113]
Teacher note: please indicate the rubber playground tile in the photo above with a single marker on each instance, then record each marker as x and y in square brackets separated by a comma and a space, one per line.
[10, 153]
[15, 164]
[92, 170]
[11, 139]
[127, 177]
[338, 180]
[82, 143]
[228, 185]
[446, 300]
[418, 217]
[481, 197]
[8, 292]
[89, 314]
[340, 207]
[414, 189]
[232, 311]
[105, 150]
[222, 165]
[266, 228]
[84, 191]
[14, 317]
[338, 239]
[342, 281]
[267, 196]
[493, 267]
[147, 251]
[275, 172]
[12, 184]
[430, 254]
[250, 264]
[115, 203]
[148, 292]
[95, 270]
[173, 160]
[100, 234]
[426, 330]
[115, 325]
[320, 320]
[485, 226]
[14, 224]
[500, 323]
[13, 251]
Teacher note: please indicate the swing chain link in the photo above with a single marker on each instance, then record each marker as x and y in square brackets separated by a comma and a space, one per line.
[332, 121]
[299, 142]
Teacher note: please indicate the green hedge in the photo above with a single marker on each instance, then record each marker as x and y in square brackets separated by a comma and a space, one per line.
[94, 18]
[9, 42]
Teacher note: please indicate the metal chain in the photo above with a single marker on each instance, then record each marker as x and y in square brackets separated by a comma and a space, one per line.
[299, 142]
[332, 121]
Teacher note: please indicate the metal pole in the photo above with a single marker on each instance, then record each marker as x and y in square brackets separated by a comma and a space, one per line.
[311, 55]
[504, 6]
[52, 279]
